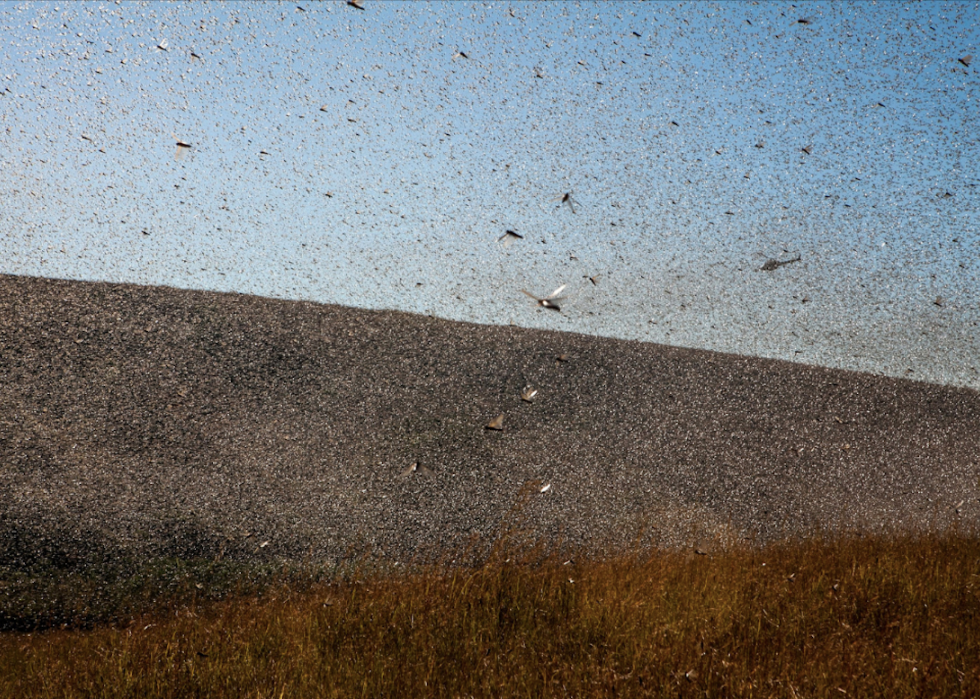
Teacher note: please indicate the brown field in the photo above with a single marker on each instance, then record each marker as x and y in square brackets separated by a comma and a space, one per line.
[875, 616]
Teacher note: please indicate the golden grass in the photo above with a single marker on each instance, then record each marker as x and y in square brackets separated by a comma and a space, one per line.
[880, 616]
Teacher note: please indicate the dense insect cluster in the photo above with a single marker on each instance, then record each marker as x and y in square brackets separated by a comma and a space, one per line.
[371, 153]
[754, 179]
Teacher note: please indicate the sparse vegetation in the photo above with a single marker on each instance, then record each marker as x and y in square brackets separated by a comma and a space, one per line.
[858, 616]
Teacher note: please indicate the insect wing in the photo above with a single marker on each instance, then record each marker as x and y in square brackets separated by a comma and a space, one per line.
[496, 424]
[509, 237]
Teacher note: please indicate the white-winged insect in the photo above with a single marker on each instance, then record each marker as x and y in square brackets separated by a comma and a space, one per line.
[545, 488]
[568, 199]
[509, 237]
[551, 300]
[182, 148]
[496, 424]
[418, 470]
[528, 394]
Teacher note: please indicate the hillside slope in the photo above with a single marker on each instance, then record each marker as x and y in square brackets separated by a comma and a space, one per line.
[157, 421]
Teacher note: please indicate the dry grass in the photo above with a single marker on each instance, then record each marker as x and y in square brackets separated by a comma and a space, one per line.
[881, 616]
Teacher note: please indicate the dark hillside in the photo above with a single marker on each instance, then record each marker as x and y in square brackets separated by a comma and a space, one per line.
[165, 422]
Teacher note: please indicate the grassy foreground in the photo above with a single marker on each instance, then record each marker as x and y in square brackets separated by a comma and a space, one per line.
[886, 616]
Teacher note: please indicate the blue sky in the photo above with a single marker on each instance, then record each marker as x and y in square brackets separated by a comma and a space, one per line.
[352, 157]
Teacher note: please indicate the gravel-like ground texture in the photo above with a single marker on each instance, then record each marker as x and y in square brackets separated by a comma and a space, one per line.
[153, 421]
